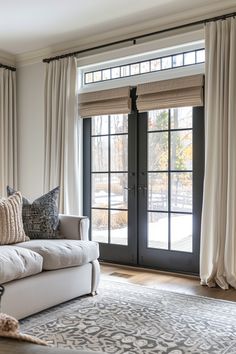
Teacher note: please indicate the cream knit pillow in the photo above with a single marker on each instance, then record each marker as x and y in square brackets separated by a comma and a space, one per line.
[11, 225]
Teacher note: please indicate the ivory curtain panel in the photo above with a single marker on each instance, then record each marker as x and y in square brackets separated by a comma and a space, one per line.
[218, 234]
[62, 134]
[8, 130]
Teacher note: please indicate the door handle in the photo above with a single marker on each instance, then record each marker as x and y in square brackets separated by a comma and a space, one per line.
[142, 188]
[129, 188]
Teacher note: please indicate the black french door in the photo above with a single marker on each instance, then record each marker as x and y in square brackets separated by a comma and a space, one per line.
[110, 198]
[143, 176]
[170, 188]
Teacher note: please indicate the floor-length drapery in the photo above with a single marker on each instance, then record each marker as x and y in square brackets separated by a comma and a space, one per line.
[218, 234]
[61, 165]
[8, 130]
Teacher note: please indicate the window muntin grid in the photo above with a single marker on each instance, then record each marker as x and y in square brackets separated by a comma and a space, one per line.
[166, 62]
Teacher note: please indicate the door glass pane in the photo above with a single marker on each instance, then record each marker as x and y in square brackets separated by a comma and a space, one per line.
[125, 70]
[100, 190]
[158, 191]
[99, 125]
[119, 227]
[99, 154]
[145, 67]
[119, 153]
[166, 63]
[181, 191]
[106, 74]
[181, 232]
[119, 123]
[88, 78]
[97, 76]
[181, 118]
[134, 69]
[189, 58]
[99, 225]
[178, 60]
[157, 151]
[119, 195]
[115, 73]
[158, 230]
[201, 56]
[158, 120]
[155, 64]
[181, 150]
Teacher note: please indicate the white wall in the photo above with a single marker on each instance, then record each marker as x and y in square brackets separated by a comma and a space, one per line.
[30, 111]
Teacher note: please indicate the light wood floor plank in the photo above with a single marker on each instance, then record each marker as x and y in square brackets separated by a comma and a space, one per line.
[166, 281]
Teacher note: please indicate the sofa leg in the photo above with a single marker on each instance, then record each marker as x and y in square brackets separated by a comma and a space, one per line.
[93, 293]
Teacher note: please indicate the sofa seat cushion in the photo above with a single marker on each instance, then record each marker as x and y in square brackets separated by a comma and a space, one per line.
[17, 262]
[63, 253]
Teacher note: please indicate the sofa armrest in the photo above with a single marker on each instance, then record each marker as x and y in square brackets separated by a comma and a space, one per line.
[74, 227]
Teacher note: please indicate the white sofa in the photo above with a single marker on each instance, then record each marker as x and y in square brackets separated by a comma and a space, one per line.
[49, 271]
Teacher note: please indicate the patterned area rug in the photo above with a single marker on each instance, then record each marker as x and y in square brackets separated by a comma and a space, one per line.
[134, 319]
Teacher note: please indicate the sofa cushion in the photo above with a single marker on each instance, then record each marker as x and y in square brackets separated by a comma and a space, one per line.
[40, 218]
[11, 227]
[17, 262]
[63, 253]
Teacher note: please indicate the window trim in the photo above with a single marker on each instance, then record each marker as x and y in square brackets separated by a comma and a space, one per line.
[173, 45]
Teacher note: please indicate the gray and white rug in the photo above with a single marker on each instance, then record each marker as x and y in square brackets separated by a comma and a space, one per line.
[133, 319]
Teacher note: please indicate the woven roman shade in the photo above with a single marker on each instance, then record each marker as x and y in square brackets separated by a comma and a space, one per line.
[113, 101]
[180, 92]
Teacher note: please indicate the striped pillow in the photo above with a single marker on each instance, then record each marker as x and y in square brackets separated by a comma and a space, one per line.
[11, 225]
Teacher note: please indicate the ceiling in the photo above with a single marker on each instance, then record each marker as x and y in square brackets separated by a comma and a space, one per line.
[30, 25]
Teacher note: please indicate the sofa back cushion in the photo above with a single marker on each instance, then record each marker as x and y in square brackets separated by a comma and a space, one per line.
[11, 226]
[40, 218]
[17, 263]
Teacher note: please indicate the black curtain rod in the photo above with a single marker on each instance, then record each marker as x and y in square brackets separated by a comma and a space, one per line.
[7, 67]
[134, 39]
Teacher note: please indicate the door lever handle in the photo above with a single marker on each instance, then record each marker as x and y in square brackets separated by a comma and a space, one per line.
[129, 188]
[142, 188]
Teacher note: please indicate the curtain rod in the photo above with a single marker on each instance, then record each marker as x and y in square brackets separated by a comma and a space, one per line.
[7, 67]
[134, 39]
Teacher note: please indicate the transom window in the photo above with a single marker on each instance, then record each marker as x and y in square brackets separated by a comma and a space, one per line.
[161, 63]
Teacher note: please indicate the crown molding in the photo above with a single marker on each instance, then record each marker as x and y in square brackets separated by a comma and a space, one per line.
[202, 13]
[34, 57]
[7, 58]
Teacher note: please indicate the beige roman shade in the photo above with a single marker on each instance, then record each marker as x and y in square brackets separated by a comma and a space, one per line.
[113, 101]
[180, 92]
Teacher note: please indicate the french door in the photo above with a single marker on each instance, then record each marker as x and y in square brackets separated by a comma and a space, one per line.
[170, 188]
[143, 187]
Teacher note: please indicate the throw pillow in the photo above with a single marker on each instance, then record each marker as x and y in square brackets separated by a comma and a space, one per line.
[40, 218]
[11, 226]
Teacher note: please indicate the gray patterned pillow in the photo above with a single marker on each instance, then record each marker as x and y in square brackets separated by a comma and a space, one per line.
[40, 218]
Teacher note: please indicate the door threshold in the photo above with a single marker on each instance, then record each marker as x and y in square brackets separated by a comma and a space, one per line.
[149, 270]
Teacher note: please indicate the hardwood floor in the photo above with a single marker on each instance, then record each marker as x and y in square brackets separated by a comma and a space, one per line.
[166, 281]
